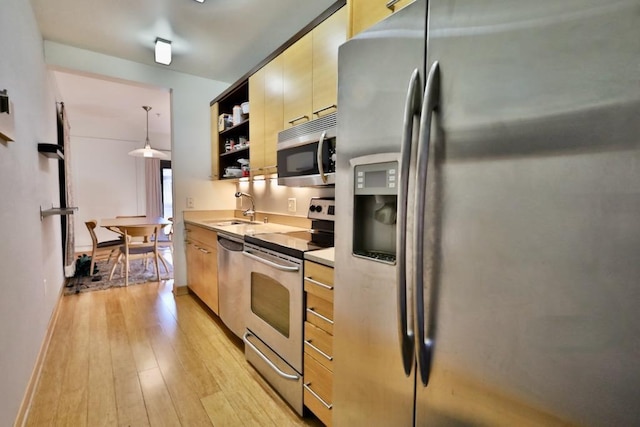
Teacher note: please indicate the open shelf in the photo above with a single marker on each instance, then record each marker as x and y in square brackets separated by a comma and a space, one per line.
[56, 211]
[234, 127]
[53, 151]
[232, 152]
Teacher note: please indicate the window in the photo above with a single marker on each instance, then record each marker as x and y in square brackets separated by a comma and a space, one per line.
[166, 180]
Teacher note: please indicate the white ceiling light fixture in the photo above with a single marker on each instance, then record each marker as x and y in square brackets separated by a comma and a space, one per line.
[200, 1]
[147, 151]
[163, 51]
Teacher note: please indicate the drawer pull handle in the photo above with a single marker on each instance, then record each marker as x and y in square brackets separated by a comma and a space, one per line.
[392, 4]
[325, 355]
[315, 282]
[292, 121]
[320, 110]
[311, 310]
[308, 388]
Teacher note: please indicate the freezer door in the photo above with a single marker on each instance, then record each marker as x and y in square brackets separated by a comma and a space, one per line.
[375, 70]
[532, 216]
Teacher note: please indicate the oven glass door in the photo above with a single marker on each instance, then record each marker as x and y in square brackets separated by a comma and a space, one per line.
[270, 301]
[275, 312]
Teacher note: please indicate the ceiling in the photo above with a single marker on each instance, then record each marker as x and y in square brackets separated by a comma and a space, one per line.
[219, 40]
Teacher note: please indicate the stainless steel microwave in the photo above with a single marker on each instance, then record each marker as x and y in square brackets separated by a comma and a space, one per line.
[307, 153]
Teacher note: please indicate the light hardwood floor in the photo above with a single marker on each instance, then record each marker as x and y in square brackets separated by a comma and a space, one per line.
[140, 356]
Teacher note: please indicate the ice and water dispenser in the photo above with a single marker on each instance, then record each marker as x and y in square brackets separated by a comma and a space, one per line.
[375, 209]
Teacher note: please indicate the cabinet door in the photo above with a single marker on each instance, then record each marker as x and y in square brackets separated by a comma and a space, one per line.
[274, 110]
[327, 37]
[215, 142]
[257, 113]
[209, 265]
[365, 13]
[297, 77]
[192, 259]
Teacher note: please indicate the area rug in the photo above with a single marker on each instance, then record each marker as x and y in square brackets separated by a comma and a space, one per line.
[100, 280]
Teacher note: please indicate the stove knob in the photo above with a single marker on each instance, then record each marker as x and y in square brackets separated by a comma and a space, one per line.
[312, 208]
[319, 208]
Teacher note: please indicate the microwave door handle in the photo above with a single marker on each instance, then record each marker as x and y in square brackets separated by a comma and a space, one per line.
[411, 109]
[269, 263]
[425, 339]
[319, 157]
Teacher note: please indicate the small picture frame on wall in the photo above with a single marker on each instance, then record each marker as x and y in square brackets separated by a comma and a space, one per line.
[6, 117]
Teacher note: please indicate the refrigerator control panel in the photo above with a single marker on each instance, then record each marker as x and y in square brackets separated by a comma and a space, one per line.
[376, 179]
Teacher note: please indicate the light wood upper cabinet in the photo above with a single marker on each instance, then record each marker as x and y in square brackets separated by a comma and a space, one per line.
[310, 71]
[365, 13]
[215, 141]
[266, 106]
[274, 111]
[297, 81]
[327, 37]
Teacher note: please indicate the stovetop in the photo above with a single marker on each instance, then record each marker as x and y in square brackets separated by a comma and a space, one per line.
[296, 243]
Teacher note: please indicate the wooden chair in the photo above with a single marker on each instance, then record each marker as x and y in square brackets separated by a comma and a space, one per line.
[140, 241]
[167, 241]
[101, 250]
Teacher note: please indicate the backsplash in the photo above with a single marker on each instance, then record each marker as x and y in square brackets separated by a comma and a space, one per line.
[271, 197]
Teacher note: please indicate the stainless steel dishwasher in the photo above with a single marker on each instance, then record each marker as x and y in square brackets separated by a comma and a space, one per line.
[232, 285]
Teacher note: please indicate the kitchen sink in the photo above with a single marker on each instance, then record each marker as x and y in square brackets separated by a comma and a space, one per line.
[224, 223]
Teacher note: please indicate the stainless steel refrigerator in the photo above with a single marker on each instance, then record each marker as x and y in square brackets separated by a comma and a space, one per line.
[487, 264]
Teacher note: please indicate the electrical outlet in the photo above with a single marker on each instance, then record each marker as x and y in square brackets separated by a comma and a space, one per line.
[291, 204]
[189, 202]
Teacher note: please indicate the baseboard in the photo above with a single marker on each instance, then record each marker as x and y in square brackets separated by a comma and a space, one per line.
[180, 290]
[23, 412]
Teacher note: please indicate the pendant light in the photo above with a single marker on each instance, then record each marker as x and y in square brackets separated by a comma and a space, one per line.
[147, 151]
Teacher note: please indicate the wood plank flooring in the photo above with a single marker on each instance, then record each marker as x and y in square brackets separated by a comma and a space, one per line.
[140, 356]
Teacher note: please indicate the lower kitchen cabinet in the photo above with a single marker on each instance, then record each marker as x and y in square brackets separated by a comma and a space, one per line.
[202, 264]
[318, 340]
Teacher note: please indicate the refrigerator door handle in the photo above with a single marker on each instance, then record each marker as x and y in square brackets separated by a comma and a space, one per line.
[411, 109]
[424, 343]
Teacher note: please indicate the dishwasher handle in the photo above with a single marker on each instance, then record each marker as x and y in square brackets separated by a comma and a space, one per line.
[230, 245]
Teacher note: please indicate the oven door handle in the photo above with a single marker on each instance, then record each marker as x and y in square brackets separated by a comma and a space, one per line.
[245, 338]
[270, 263]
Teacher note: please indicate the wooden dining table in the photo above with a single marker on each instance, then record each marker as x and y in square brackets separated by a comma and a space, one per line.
[132, 221]
[120, 224]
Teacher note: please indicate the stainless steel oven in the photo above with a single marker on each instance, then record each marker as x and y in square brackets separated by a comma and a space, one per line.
[307, 153]
[275, 316]
[273, 340]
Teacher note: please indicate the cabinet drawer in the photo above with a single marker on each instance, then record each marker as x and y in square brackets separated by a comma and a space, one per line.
[201, 235]
[319, 312]
[318, 394]
[318, 279]
[319, 345]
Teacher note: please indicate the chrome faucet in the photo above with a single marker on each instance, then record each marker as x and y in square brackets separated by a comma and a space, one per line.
[251, 213]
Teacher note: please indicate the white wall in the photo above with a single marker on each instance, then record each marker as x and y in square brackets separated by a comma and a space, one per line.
[30, 253]
[107, 182]
[190, 123]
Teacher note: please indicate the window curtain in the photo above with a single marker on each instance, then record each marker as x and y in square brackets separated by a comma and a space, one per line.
[70, 239]
[153, 187]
